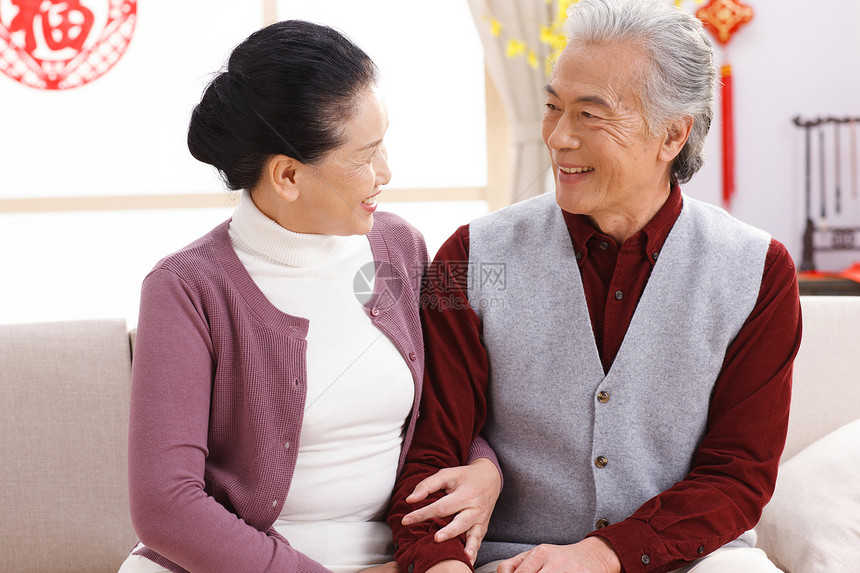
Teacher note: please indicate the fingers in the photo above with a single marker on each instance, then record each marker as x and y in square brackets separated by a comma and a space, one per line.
[439, 480]
[511, 564]
[463, 522]
[473, 541]
[439, 508]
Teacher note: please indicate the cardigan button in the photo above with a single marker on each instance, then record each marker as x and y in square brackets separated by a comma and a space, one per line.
[600, 461]
[601, 523]
[646, 560]
[603, 397]
[619, 295]
[701, 549]
[412, 356]
[374, 311]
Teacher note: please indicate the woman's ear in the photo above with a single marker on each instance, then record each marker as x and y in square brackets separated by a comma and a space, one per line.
[280, 173]
[676, 136]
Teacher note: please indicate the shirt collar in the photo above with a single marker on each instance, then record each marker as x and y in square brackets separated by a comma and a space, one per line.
[652, 236]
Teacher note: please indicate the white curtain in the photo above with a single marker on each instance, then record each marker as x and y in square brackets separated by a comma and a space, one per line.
[520, 84]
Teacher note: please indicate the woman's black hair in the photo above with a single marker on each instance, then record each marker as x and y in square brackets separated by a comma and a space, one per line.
[287, 90]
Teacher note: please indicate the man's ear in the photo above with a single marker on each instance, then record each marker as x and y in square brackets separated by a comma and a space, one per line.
[676, 136]
[280, 172]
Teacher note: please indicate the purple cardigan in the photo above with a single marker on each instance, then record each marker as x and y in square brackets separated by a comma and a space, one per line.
[218, 393]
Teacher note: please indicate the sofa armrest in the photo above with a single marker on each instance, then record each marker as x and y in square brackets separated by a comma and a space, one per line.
[64, 401]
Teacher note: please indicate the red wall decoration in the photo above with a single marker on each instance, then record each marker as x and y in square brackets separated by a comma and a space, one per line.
[63, 44]
[723, 18]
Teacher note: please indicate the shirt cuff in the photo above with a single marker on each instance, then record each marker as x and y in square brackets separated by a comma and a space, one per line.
[638, 547]
[481, 449]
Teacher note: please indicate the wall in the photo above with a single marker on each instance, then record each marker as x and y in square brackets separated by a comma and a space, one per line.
[794, 58]
[124, 134]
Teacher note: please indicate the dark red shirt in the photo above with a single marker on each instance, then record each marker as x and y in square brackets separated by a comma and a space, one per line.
[734, 470]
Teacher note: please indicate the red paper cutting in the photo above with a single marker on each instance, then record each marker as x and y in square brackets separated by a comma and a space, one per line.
[61, 44]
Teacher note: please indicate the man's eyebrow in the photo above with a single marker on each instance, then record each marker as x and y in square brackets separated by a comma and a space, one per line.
[592, 99]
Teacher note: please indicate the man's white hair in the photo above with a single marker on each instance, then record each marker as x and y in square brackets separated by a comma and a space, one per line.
[681, 76]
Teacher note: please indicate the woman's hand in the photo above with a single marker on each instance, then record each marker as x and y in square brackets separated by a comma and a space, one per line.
[471, 491]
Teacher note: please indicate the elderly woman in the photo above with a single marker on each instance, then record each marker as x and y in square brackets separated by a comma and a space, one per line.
[271, 406]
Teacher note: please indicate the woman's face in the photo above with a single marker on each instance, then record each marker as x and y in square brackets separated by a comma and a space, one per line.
[338, 195]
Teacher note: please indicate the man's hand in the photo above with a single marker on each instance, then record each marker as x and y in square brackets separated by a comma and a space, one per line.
[471, 491]
[591, 555]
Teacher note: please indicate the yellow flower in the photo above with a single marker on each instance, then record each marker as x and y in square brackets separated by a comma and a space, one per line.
[496, 27]
[515, 48]
[532, 59]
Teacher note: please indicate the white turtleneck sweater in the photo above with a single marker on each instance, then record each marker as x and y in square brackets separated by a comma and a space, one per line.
[360, 390]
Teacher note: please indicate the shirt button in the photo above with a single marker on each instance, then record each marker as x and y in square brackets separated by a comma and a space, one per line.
[656, 255]
[412, 356]
[578, 255]
[600, 461]
[601, 523]
[646, 560]
[374, 311]
[603, 245]
[619, 295]
[603, 397]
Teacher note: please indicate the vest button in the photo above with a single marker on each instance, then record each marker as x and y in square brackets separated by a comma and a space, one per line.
[601, 523]
[600, 461]
[603, 397]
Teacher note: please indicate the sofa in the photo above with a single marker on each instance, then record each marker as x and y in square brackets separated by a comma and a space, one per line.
[64, 415]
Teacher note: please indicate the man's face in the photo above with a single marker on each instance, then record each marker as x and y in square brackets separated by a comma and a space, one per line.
[605, 165]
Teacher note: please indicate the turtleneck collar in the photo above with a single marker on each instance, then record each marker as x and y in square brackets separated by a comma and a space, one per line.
[253, 232]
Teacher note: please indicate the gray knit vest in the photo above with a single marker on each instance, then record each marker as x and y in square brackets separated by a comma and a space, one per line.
[545, 422]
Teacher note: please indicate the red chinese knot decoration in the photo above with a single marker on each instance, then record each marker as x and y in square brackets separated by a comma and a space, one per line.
[723, 18]
[62, 44]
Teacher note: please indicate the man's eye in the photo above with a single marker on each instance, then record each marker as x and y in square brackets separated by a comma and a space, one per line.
[550, 106]
[588, 115]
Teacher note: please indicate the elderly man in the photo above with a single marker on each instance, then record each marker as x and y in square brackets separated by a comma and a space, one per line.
[625, 349]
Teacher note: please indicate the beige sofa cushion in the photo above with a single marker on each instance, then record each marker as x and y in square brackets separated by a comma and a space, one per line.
[825, 395]
[812, 524]
[64, 391]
